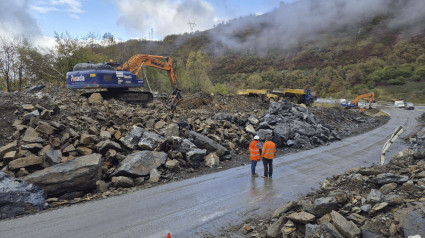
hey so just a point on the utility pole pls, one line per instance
(191, 25)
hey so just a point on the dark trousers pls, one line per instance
(268, 167)
(253, 164)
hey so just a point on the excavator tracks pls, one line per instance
(133, 97)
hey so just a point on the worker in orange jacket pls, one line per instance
(268, 152)
(255, 154)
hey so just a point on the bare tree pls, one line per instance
(7, 57)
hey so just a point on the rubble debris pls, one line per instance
(378, 201)
(57, 128)
(18, 197)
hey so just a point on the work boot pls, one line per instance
(262, 176)
(255, 175)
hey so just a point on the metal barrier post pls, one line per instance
(389, 142)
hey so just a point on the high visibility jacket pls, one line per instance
(269, 149)
(254, 150)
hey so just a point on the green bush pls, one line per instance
(221, 89)
(397, 81)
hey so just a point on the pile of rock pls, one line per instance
(292, 125)
(71, 146)
(379, 201)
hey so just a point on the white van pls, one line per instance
(399, 104)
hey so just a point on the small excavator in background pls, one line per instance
(118, 78)
(355, 102)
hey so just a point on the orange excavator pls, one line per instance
(118, 78)
(355, 102)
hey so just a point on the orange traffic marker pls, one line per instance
(168, 235)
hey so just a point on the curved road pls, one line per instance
(210, 203)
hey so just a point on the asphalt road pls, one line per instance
(210, 203)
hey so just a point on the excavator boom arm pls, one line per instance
(135, 63)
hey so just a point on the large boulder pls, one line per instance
(204, 142)
(324, 205)
(132, 139)
(78, 174)
(140, 163)
(18, 197)
(196, 157)
(391, 178)
(171, 129)
(150, 141)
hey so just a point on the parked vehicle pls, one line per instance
(409, 106)
(399, 104)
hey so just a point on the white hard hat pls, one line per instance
(256, 137)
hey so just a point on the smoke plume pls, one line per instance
(292, 24)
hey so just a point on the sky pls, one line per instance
(125, 19)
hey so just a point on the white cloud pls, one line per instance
(72, 7)
(165, 16)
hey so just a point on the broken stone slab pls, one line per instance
(253, 120)
(414, 223)
(95, 98)
(33, 147)
(303, 128)
(53, 157)
(182, 145)
(7, 148)
(45, 128)
(387, 188)
(140, 163)
(324, 205)
(331, 229)
(9, 156)
(274, 229)
(264, 133)
(150, 141)
(122, 182)
(345, 227)
(171, 129)
(31, 136)
(159, 125)
(212, 160)
(224, 117)
(78, 174)
(107, 145)
(283, 209)
(19, 197)
(302, 217)
(374, 196)
(196, 157)
(379, 207)
(30, 115)
(391, 178)
(154, 176)
(282, 133)
(105, 134)
(393, 199)
(204, 142)
(28, 107)
(25, 162)
(87, 139)
(172, 165)
(82, 150)
(356, 218)
(132, 139)
(250, 129)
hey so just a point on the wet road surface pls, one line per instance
(209, 203)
